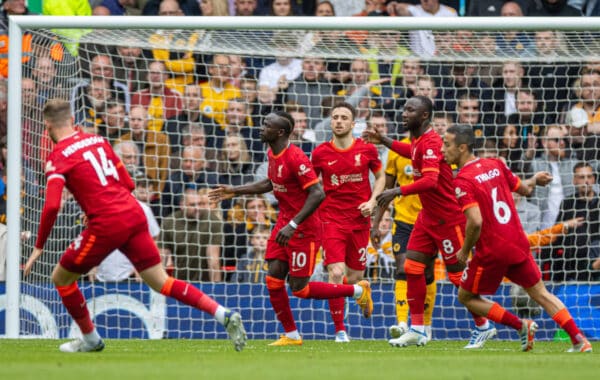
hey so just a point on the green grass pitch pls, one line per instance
(319, 360)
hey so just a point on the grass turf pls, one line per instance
(212, 359)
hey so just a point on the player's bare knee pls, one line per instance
(298, 283)
(336, 274)
(465, 297)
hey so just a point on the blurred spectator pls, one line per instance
(309, 89)
(153, 145)
(257, 107)
(130, 65)
(301, 135)
(188, 7)
(48, 85)
(505, 90)
(160, 101)
(588, 8)
(245, 7)
(252, 267)
(381, 263)
(422, 42)
(514, 43)
(371, 8)
(552, 8)
(129, 153)
(247, 214)
(550, 76)
(214, 7)
(238, 121)
(344, 8)
(192, 98)
(9, 8)
(426, 87)
(440, 122)
(235, 165)
(555, 160)
(287, 67)
(281, 8)
(580, 247)
(191, 239)
(91, 103)
(528, 121)
(511, 148)
(588, 94)
(576, 121)
(489, 8)
(218, 90)
(387, 45)
(113, 124)
(180, 64)
(380, 123)
(529, 214)
(192, 174)
(468, 111)
(115, 8)
(238, 69)
(31, 123)
(325, 9)
(462, 80)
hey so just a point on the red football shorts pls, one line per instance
(300, 254)
(88, 249)
(484, 276)
(431, 239)
(347, 246)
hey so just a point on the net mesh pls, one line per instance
(201, 96)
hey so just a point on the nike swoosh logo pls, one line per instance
(331, 162)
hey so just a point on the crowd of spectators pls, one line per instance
(183, 121)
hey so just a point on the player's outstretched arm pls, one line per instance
(472, 232)
(227, 192)
(538, 179)
(316, 195)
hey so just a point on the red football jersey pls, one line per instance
(88, 166)
(439, 204)
(291, 173)
(488, 183)
(345, 175)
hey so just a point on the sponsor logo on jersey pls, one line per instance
(429, 155)
(279, 188)
(351, 178)
(459, 192)
(303, 170)
(491, 174)
(334, 180)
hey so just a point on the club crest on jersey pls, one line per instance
(49, 167)
(408, 170)
(303, 170)
(429, 154)
(279, 170)
(334, 180)
(357, 159)
(459, 193)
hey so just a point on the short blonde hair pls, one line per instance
(57, 111)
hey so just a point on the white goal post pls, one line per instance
(13, 301)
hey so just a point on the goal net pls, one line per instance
(183, 108)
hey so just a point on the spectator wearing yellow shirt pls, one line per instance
(160, 101)
(218, 90)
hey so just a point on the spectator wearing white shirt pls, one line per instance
(269, 76)
(116, 266)
(422, 42)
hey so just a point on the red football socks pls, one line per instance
(565, 321)
(499, 314)
(416, 290)
(336, 308)
(189, 295)
(76, 306)
(281, 303)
